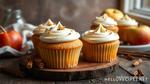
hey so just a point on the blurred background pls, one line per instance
(76, 14)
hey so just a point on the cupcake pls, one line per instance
(125, 24)
(38, 31)
(60, 47)
(107, 22)
(100, 45)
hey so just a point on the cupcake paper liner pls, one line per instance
(123, 31)
(60, 58)
(100, 52)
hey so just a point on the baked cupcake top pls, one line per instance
(59, 33)
(42, 27)
(105, 20)
(126, 20)
(99, 35)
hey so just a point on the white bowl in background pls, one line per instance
(140, 48)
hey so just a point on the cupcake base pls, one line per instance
(60, 55)
(100, 52)
(123, 32)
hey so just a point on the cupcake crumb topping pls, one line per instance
(60, 26)
(43, 27)
(49, 22)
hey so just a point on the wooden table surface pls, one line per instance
(9, 79)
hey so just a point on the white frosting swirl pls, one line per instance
(59, 34)
(105, 20)
(99, 35)
(126, 20)
(42, 27)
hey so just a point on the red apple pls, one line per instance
(11, 38)
(4, 37)
(16, 40)
(138, 36)
(114, 13)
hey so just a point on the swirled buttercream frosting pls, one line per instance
(42, 27)
(59, 33)
(99, 35)
(105, 20)
(126, 20)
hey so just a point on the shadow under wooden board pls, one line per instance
(84, 70)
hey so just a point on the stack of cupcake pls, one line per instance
(106, 21)
(119, 26)
(129, 30)
(59, 47)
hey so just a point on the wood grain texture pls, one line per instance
(127, 65)
(8, 79)
(84, 70)
(76, 14)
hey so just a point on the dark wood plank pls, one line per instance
(127, 65)
(6, 78)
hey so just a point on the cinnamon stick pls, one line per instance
(28, 62)
(140, 72)
(29, 65)
(135, 73)
(39, 63)
(137, 62)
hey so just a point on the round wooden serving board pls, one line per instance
(84, 70)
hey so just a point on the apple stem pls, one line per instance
(2, 28)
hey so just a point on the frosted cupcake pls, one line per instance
(107, 22)
(100, 45)
(60, 47)
(40, 30)
(125, 24)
